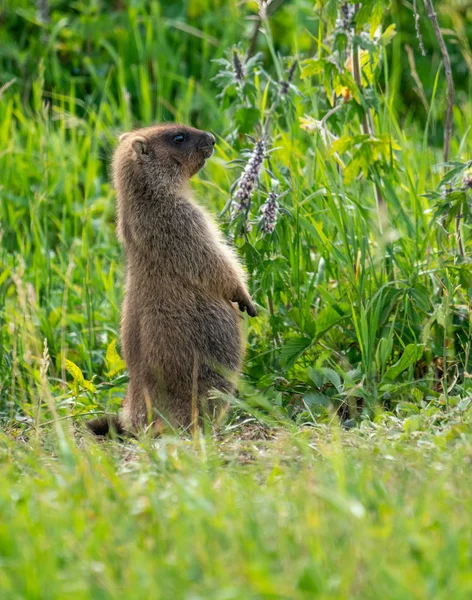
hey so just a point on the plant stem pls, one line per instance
(366, 128)
(43, 17)
(268, 11)
(417, 29)
(43, 11)
(356, 71)
(460, 245)
(414, 73)
(448, 71)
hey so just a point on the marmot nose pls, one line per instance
(211, 138)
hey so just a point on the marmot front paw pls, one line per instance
(248, 306)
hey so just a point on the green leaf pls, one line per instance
(292, 349)
(464, 403)
(246, 118)
(352, 170)
(88, 385)
(412, 424)
(113, 360)
(332, 377)
(312, 67)
(346, 142)
(75, 371)
(78, 377)
(370, 13)
(452, 174)
(410, 356)
(384, 349)
(421, 297)
(389, 34)
(326, 319)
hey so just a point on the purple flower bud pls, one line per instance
(249, 178)
(345, 20)
(447, 190)
(238, 68)
(468, 181)
(269, 212)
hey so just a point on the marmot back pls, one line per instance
(180, 332)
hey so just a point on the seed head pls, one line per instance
(344, 20)
(284, 87)
(418, 29)
(238, 68)
(263, 4)
(269, 212)
(249, 178)
(43, 11)
(285, 84)
(291, 72)
(468, 181)
(446, 191)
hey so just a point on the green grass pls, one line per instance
(380, 512)
(364, 293)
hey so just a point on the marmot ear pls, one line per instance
(139, 144)
(123, 136)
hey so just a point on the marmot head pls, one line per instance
(168, 153)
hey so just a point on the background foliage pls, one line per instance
(329, 173)
(364, 284)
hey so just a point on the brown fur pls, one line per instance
(180, 332)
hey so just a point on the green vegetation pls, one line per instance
(357, 239)
(380, 512)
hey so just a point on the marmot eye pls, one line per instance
(179, 138)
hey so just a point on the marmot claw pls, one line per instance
(248, 307)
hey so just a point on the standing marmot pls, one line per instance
(180, 332)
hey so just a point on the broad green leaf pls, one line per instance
(246, 117)
(412, 424)
(113, 359)
(332, 377)
(4, 276)
(383, 352)
(410, 356)
(75, 372)
(326, 319)
(389, 34)
(346, 142)
(78, 377)
(316, 399)
(112, 356)
(88, 385)
(313, 66)
(353, 169)
(292, 349)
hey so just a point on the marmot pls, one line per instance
(180, 332)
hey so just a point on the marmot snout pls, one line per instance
(180, 331)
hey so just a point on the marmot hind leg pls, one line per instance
(211, 381)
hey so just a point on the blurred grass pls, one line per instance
(381, 512)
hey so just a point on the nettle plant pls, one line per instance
(453, 205)
(348, 64)
(269, 108)
(351, 321)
